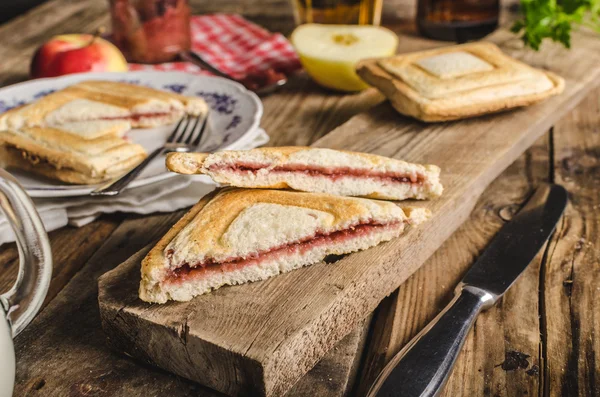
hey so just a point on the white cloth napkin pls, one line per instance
(165, 196)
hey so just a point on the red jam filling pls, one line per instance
(186, 271)
(329, 172)
(137, 117)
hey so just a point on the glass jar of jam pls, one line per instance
(151, 31)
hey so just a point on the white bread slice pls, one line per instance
(148, 99)
(82, 110)
(12, 157)
(95, 129)
(69, 156)
(104, 100)
(244, 235)
(370, 179)
(265, 270)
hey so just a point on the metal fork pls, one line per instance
(185, 137)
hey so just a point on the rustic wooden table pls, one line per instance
(548, 315)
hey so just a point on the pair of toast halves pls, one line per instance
(258, 227)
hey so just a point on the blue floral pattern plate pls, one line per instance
(234, 114)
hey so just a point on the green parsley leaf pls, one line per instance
(554, 19)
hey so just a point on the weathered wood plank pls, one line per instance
(144, 380)
(255, 331)
(303, 112)
(22, 35)
(71, 248)
(24, 43)
(571, 276)
(66, 339)
(302, 101)
(286, 117)
(512, 325)
(63, 352)
(565, 351)
(336, 373)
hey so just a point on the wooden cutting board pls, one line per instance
(260, 338)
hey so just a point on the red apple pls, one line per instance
(76, 53)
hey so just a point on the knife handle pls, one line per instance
(422, 367)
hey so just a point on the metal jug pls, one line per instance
(21, 303)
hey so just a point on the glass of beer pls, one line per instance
(338, 12)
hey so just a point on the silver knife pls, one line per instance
(423, 366)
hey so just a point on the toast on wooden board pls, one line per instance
(235, 236)
(457, 82)
(318, 170)
(78, 153)
(104, 100)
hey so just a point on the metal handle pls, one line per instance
(195, 58)
(116, 185)
(25, 298)
(422, 367)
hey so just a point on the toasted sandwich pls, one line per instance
(314, 170)
(78, 153)
(104, 100)
(234, 236)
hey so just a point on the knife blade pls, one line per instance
(423, 366)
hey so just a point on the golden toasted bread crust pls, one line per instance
(15, 158)
(69, 158)
(273, 159)
(215, 213)
(464, 96)
(207, 226)
(125, 99)
(226, 205)
(34, 150)
(155, 258)
(35, 142)
(61, 140)
(123, 94)
(189, 164)
(280, 154)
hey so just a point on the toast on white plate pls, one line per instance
(319, 170)
(76, 135)
(77, 153)
(141, 106)
(234, 236)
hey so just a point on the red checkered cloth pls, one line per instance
(235, 46)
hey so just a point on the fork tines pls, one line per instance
(189, 130)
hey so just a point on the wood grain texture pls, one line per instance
(336, 374)
(303, 112)
(71, 248)
(65, 337)
(85, 342)
(268, 334)
(573, 342)
(557, 329)
(512, 325)
(64, 351)
(286, 121)
(571, 279)
(22, 35)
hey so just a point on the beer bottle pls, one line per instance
(457, 20)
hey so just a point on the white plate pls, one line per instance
(235, 112)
